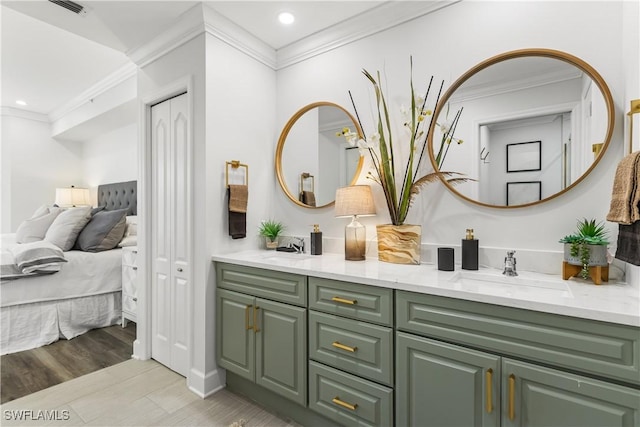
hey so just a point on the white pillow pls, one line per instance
(66, 227)
(130, 237)
(42, 210)
(34, 229)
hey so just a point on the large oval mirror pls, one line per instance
(313, 158)
(534, 123)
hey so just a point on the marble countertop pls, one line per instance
(613, 302)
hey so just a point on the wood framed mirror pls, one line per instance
(552, 109)
(312, 157)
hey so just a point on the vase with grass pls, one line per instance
(587, 247)
(271, 231)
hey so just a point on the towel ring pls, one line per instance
(303, 177)
(235, 164)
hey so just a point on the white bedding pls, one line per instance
(84, 294)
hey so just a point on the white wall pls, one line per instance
(446, 44)
(33, 165)
(232, 119)
(110, 157)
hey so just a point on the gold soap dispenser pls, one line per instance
(469, 251)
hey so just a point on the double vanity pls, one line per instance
(323, 340)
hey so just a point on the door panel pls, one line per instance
(235, 344)
(171, 233)
(439, 384)
(547, 397)
(281, 354)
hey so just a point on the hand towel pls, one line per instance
(625, 196)
(629, 243)
(238, 198)
(308, 198)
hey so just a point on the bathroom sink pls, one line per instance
(288, 256)
(478, 278)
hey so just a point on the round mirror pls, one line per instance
(313, 159)
(533, 124)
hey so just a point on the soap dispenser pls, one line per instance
(316, 240)
(469, 251)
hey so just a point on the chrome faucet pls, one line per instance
(510, 264)
(298, 245)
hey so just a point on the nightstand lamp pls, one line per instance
(72, 197)
(354, 201)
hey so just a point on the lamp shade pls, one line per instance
(72, 196)
(354, 200)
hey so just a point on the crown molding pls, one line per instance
(227, 31)
(187, 27)
(378, 19)
(112, 80)
(23, 114)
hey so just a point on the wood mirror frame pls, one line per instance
(522, 53)
(283, 138)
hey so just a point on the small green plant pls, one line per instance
(588, 233)
(271, 229)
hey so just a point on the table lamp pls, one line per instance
(354, 201)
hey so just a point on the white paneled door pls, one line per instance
(171, 237)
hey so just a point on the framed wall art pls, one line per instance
(523, 192)
(524, 156)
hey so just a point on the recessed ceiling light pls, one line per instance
(21, 103)
(286, 18)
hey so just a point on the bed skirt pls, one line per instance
(28, 326)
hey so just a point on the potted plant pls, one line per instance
(587, 247)
(271, 230)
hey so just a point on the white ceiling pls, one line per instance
(50, 55)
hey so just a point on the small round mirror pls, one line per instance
(313, 158)
(534, 123)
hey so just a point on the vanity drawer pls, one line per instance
(274, 285)
(353, 300)
(347, 399)
(360, 348)
(603, 349)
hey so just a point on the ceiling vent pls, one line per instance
(69, 5)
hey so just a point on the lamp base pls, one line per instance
(355, 241)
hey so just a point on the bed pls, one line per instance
(85, 293)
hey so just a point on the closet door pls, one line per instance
(171, 232)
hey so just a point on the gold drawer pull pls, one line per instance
(489, 390)
(255, 319)
(344, 301)
(512, 397)
(246, 317)
(344, 404)
(336, 344)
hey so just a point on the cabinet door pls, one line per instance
(537, 396)
(439, 384)
(235, 347)
(281, 356)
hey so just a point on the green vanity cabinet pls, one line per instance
(440, 384)
(538, 396)
(351, 374)
(454, 366)
(262, 340)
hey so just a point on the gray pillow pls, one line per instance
(66, 227)
(103, 232)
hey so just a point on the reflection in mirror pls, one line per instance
(313, 158)
(535, 122)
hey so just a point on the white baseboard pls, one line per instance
(206, 385)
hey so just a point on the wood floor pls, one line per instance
(29, 371)
(134, 393)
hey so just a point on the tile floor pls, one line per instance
(133, 393)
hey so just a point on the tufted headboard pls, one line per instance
(119, 195)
